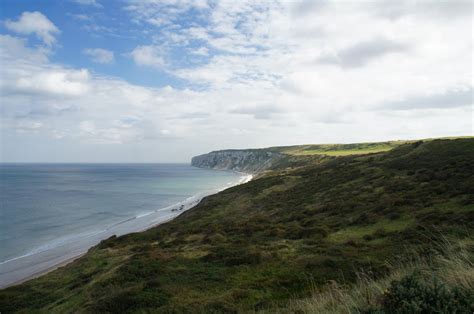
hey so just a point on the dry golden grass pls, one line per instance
(453, 265)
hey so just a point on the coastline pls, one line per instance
(48, 270)
(36, 269)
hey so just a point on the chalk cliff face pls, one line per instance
(250, 161)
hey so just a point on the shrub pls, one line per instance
(394, 216)
(125, 301)
(108, 243)
(368, 237)
(230, 256)
(414, 295)
(380, 233)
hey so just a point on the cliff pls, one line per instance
(250, 160)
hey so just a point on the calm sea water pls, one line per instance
(43, 206)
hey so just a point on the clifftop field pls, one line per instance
(379, 228)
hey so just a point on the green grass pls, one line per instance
(341, 149)
(351, 149)
(375, 230)
(342, 152)
(309, 221)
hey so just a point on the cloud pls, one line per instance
(363, 52)
(449, 99)
(59, 82)
(80, 105)
(28, 79)
(201, 51)
(277, 54)
(260, 81)
(27, 73)
(13, 49)
(34, 23)
(193, 115)
(305, 7)
(148, 56)
(93, 3)
(28, 125)
(262, 111)
(81, 17)
(118, 134)
(159, 13)
(402, 8)
(100, 55)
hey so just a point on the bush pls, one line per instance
(230, 256)
(394, 216)
(414, 295)
(125, 301)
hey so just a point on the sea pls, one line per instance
(51, 213)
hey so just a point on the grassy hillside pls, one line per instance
(311, 221)
(442, 282)
(348, 149)
(341, 149)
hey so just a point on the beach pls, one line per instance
(60, 252)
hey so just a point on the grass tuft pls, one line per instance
(450, 267)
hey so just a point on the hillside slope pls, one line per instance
(257, 245)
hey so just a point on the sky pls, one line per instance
(164, 80)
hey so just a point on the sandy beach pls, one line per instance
(29, 266)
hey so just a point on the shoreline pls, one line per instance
(65, 259)
(75, 257)
(48, 270)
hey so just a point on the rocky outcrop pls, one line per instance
(249, 161)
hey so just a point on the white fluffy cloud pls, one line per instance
(54, 81)
(257, 74)
(117, 134)
(148, 56)
(316, 49)
(100, 55)
(28, 72)
(318, 71)
(34, 23)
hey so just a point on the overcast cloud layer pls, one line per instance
(240, 74)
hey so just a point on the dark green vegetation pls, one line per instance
(439, 282)
(309, 221)
(413, 295)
